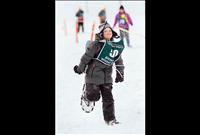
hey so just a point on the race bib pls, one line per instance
(110, 52)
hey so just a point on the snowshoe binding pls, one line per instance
(86, 105)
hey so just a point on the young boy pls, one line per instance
(98, 76)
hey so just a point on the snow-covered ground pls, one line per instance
(129, 96)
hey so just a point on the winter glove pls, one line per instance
(76, 70)
(119, 77)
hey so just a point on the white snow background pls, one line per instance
(129, 95)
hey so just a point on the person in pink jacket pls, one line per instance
(123, 19)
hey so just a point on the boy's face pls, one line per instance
(107, 33)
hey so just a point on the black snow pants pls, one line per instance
(80, 24)
(93, 93)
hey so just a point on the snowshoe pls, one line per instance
(86, 105)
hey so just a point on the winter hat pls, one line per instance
(102, 13)
(103, 26)
(121, 7)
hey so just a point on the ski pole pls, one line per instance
(93, 25)
(129, 32)
(122, 29)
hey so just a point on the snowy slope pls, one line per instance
(129, 96)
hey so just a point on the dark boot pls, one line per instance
(112, 122)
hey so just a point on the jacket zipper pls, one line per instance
(93, 66)
(104, 75)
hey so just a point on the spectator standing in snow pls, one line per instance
(123, 19)
(102, 21)
(102, 17)
(80, 20)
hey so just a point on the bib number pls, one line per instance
(114, 53)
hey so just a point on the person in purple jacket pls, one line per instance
(123, 19)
